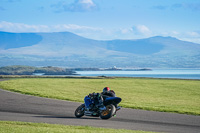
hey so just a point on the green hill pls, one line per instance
(28, 70)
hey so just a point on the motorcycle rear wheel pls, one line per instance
(109, 112)
(79, 112)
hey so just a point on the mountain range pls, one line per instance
(70, 50)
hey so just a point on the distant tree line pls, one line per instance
(29, 70)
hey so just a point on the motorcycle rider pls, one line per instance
(107, 93)
(99, 98)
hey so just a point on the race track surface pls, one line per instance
(19, 107)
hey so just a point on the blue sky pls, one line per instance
(104, 19)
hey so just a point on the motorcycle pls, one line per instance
(98, 106)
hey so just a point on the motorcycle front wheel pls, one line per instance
(79, 112)
(109, 112)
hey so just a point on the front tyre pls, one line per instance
(79, 112)
(109, 112)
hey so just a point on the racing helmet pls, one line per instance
(106, 89)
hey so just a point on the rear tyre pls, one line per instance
(109, 112)
(79, 112)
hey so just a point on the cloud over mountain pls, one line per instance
(20, 27)
(98, 33)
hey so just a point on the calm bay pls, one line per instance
(155, 73)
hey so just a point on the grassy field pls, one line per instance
(168, 95)
(27, 127)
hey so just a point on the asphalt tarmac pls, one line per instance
(19, 107)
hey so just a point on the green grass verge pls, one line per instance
(27, 127)
(166, 95)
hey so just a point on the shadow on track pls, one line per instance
(68, 117)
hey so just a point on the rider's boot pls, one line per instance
(100, 105)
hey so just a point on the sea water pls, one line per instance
(154, 73)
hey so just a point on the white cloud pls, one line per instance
(82, 5)
(12, 0)
(77, 6)
(73, 27)
(185, 6)
(142, 30)
(190, 6)
(193, 34)
(88, 2)
(136, 32)
(126, 30)
(175, 33)
(20, 27)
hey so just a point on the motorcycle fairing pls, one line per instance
(112, 100)
(88, 101)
